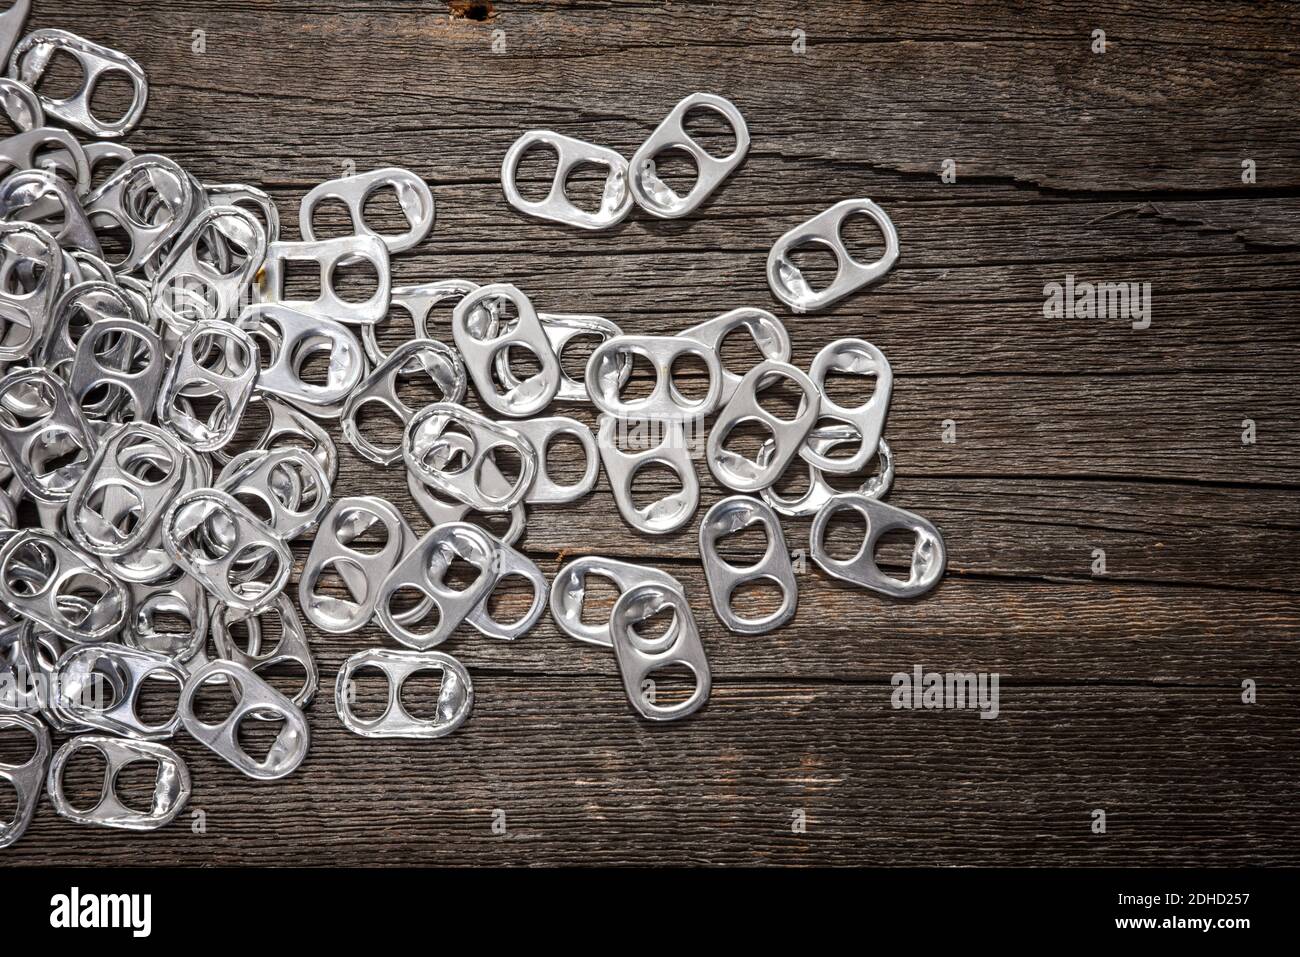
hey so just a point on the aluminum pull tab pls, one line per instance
(788, 282)
(727, 517)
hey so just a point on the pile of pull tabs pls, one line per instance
(126, 379)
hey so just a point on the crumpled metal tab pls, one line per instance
(31, 57)
(83, 672)
(455, 694)
(171, 789)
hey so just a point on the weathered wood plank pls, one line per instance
(581, 781)
(1120, 692)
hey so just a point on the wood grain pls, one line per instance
(1120, 691)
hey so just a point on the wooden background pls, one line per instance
(1119, 692)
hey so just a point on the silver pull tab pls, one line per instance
(615, 201)
(97, 685)
(413, 197)
(254, 699)
(445, 445)
(736, 471)
(328, 255)
(483, 348)
(788, 283)
(823, 440)
(423, 572)
(928, 554)
(727, 517)
(47, 580)
(26, 304)
(293, 337)
(171, 788)
(769, 335)
(362, 572)
(439, 362)
(208, 270)
(861, 358)
(569, 591)
(455, 695)
(657, 442)
(541, 432)
(26, 778)
(31, 58)
(606, 376)
(187, 531)
(261, 654)
(654, 195)
(639, 657)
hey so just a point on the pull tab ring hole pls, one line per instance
(711, 131)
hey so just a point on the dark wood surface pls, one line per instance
(1119, 691)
